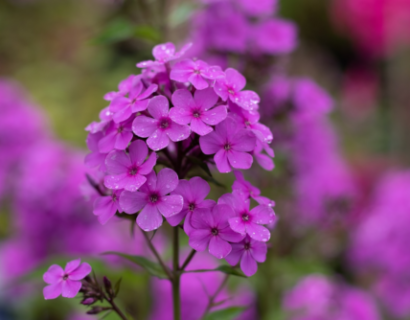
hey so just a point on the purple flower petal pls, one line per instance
(70, 288)
(107, 143)
(167, 181)
(150, 90)
(248, 264)
(158, 140)
(53, 291)
(170, 205)
(198, 81)
(215, 115)
(72, 265)
(236, 254)
(206, 99)
(132, 202)
(148, 165)
(117, 162)
(259, 250)
(182, 98)
(122, 114)
(202, 219)
(257, 232)
(143, 126)
(262, 214)
(199, 239)
(244, 141)
(180, 115)
(235, 79)
(149, 218)
(178, 132)
(239, 160)
(221, 160)
(248, 100)
(138, 151)
(54, 274)
(199, 187)
(228, 234)
(211, 143)
(119, 103)
(237, 225)
(163, 51)
(175, 219)
(122, 140)
(104, 208)
(182, 70)
(81, 272)
(219, 248)
(158, 107)
(199, 127)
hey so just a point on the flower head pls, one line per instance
(197, 111)
(196, 72)
(65, 282)
(231, 86)
(164, 53)
(248, 252)
(230, 144)
(153, 200)
(161, 128)
(128, 171)
(248, 221)
(194, 192)
(211, 229)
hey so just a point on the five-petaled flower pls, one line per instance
(197, 111)
(159, 129)
(154, 200)
(128, 171)
(65, 282)
(230, 144)
(211, 229)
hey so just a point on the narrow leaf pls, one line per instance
(151, 267)
(225, 269)
(117, 287)
(225, 314)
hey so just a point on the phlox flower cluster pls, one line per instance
(317, 297)
(321, 179)
(176, 110)
(379, 244)
(243, 26)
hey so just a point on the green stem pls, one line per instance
(215, 295)
(176, 278)
(188, 260)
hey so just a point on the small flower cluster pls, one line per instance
(177, 115)
(317, 297)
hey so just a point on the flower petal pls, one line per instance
(235, 79)
(81, 272)
(206, 99)
(158, 107)
(182, 99)
(54, 274)
(248, 264)
(148, 165)
(228, 234)
(167, 181)
(117, 162)
(53, 291)
(122, 140)
(178, 132)
(243, 140)
(170, 205)
(259, 250)
(70, 288)
(221, 161)
(104, 208)
(138, 151)
(132, 202)
(158, 140)
(199, 127)
(215, 115)
(237, 225)
(72, 265)
(240, 160)
(143, 126)
(262, 214)
(199, 239)
(219, 248)
(200, 188)
(149, 218)
(257, 232)
(236, 254)
(211, 143)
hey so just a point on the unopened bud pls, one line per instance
(88, 301)
(97, 310)
(108, 287)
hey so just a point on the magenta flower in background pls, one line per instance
(211, 229)
(317, 297)
(164, 53)
(153, 200)
(196, 110)
(310, 99)
(248, 252)
(128, 171)
(105, 207)
(194, 192)
(231, 86)
(159, 129)
(246, 221)
(95, 159)
(275, 36)
(230, 144)
(276, 93)
(196, 72)
(65, 282)
(117, 136)
(258, 8)
(136, 101)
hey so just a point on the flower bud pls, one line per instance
(88, 301)
(97, 310)
(108, 287)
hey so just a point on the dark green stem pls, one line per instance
(188, 259)
(176, 296)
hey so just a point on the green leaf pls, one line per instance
(225, 314)
(147, 33)
(214, 181)
(117, 287)
(224, 268)
(151, 267)
(117, 30)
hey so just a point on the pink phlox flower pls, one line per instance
(105, 207)
(230, 144)
(128, 171)
(136, 101)
(258, 8)
(211, 229)
(231, 86)
(275, 36)
(194, 192)
(159, 129)
(105, 117)
(311, 99)
(95, 159)
(124, 87)
(164, 53)
(248, 221)
(248, 252)
(250, 120)
(153, 200)
(117, 136)
(265, 161)
(197, 111)
(196, 72)
(65, 282)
